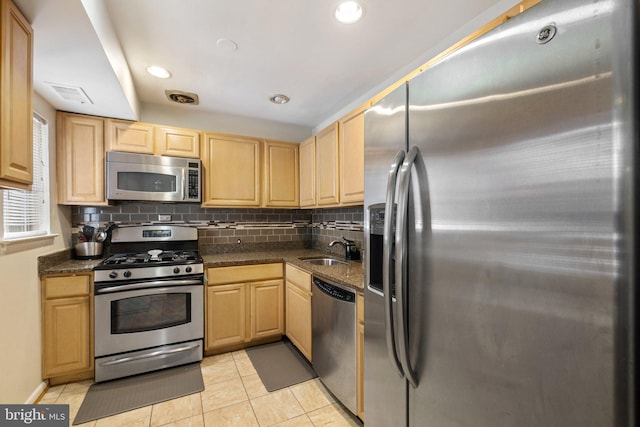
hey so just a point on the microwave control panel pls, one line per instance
(194, 184)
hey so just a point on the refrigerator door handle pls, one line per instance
(404, 179)
(389, 326)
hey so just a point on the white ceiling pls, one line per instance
(294, 47)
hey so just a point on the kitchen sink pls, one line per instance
(326, 261)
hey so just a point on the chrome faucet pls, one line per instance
(350, 249)
(336, 241)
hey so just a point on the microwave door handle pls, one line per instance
(185, 182)
(387, 238)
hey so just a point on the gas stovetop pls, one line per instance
(150, 258)
(151, 253)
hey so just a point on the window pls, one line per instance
(26, 213)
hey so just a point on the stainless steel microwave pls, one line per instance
(153, 178)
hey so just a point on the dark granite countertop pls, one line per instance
(351, 274)
(71, 266)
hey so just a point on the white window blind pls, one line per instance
(26, 213)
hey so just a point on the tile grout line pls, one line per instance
(200, 396)
(247, 393)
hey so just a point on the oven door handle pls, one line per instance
(153, 284)
(159, 353)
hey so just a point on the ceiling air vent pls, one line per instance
(182, 97)
(70, 93)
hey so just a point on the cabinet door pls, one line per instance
(231, 171)
(80, 160)
(267, 318)
(66, 329)
(132, 137)
(177, 142)
(281, 185)
(16, 111)
(352, 158)
(327, 191)
(298, 311)
(226, 315)
(308, 172)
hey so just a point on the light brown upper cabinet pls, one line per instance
(145, 138)
(327, 167)
(308, 172)
(332, 164)
(16, 110)
(352, 157)
(281, 184)
(80, 152)
(132, 137)
(231, 171)
(177, 142)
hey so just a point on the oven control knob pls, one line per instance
(176, 270)
(188, 269)
(127, 273)
(113, 275)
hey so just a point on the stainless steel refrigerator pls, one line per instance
(500, 228)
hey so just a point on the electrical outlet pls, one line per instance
(164, 217)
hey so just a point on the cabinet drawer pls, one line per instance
(298, 277)
(244, 273)
(66, 286)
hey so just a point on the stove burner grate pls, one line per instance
(145, 258)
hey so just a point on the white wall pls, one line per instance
(189, 116)
(20, 354)
(446, 41)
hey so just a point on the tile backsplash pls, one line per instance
(139, 212)
(332, 224)
(232, 230)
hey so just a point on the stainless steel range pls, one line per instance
(149, 309)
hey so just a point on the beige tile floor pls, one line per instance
(233, 396)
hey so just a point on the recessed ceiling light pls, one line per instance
(349, 12)
(158, 72)
(227, 44)
(279, 99)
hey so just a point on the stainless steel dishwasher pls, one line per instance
(334, 339)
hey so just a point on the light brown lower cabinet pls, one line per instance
(298, 309)
(267, 309)
(360, 354)
(244, 304)
(67, 326)
(226, 315)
